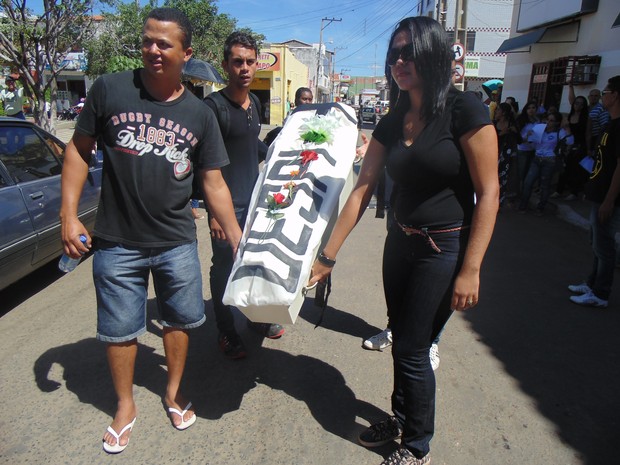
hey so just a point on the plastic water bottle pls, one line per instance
(68, 264)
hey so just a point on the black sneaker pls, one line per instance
(404, 456)
(268, 330)
(381, 433)
(232, 346)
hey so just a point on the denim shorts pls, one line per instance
(121, 276)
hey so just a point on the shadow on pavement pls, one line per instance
(28, 286)
(565, 357)
(215, 384)
(338, 320)
(319, 385)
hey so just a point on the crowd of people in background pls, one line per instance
(541, 148)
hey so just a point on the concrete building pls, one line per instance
(555, 42)
(280, 73)
(487, 24)
(319, 69)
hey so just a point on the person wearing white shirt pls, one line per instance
(545, 160)
(13, 99)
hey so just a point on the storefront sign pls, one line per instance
(539, 78)
(472, 66)
(268, 61)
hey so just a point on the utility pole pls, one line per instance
(460, 31)
(318, 61)
(333, 67)
(441, 13)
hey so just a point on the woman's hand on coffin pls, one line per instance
(216, 230)
(360, 152)
(319, 273)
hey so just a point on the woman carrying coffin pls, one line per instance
(440, 149)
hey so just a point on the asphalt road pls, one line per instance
(526, 377)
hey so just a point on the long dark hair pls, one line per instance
(432, 57)
(523, 119)
(583, 114)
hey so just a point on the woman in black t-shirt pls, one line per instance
(440, 148)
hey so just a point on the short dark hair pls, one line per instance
(432, 57)
(174, 15)
(613, 83)
(239, 38)
(300, 91)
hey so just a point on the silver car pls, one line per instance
(30, 167)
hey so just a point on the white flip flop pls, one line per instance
(116, 448)
(184, 423)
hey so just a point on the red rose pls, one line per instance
(307, 156)
(279, 198)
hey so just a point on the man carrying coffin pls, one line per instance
(238, 113)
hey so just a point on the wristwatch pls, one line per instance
(325, 260)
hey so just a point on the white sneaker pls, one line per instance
(589, 299)
(379, 341)
(582, 288)
(434, 356)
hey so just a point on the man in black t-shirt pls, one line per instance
(603, 190)
(238, 114)
(155, 137)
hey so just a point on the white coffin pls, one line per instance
(275, 256)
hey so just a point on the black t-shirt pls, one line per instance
(242, 147)
(150, 151)
(433, 185)
(607, 158)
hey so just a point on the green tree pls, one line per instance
(34, 45)
(118, 46)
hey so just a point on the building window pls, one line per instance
(470, 42)
(576, 70)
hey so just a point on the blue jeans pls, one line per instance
(221, 266)
(604, 247)
(121, 276)
(541, 168)
(524, 160)
(418, 284)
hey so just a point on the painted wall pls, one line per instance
(595, 37)
(281, 74)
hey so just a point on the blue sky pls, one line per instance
(359, 40)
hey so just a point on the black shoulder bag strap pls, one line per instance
(221, 112)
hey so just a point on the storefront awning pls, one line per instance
(524, 40)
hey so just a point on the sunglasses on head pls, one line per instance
(405, 53)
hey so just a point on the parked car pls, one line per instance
(369, 114)
(30, 166)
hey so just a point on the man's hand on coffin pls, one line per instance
(360, 152)
(216, 230)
